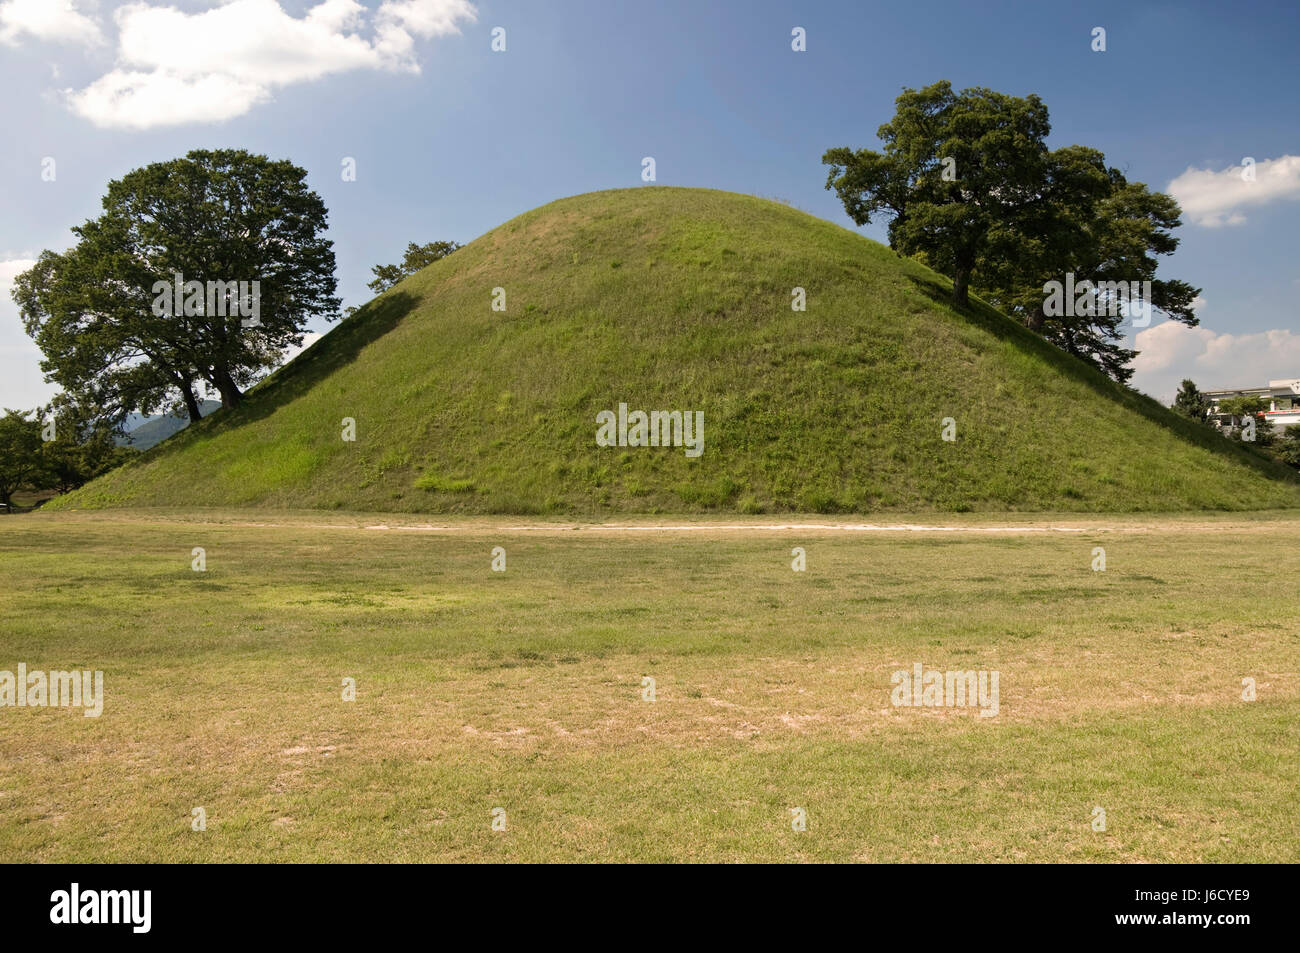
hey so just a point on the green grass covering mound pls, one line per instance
(680, 299)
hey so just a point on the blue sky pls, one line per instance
(451, 138)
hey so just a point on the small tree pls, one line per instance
(1239, 408)
(83, 446)
(1191, 403)
(21, 460)
(416, 257)
(1243, 406)
(1265, 432)
(1287, 447)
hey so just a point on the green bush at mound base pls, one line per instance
(680, 299)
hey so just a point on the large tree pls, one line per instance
(215, 217)
(1093, 224)
(956, 168)
(969, 186)
(101, 339)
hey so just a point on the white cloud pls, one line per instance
(51, 21)
(139, 100)
(175, 67)
(1213, 199)
(11, 269)
(397, 21)
(1171, 351)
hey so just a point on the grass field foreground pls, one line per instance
(1120, 689)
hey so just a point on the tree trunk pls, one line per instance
(191, 405)
(961, 286)
(231, 396)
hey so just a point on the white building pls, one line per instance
(1282, 397)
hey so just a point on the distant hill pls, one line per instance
(145, 432)
(680, 299)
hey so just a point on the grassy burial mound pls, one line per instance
(680, 301)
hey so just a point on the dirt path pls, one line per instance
(962, 524)
(620, 529)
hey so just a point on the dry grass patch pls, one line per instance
(477, 689)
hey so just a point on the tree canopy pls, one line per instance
(20, 452)
(82, 447)
(1190, 402)
(57, 447)
(1243, 406)
(968, 185)
(1288, 446)
(416, 257)
(957, 168)
(154, 299)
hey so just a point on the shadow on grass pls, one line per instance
(1008, 329)
(336, 349)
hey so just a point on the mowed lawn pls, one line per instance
(522, 690)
